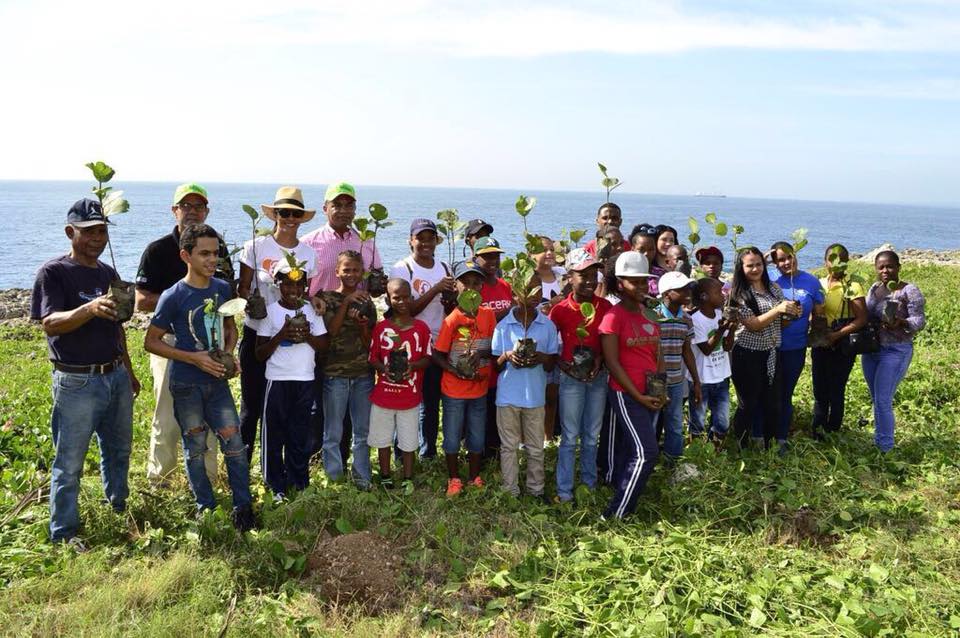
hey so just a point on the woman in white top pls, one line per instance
(258, 257)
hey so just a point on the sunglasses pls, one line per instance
(289, 212)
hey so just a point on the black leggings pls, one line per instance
(253, 385)
(755, 392)
(831, 370)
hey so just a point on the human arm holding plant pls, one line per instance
(66, 321)
(154, 344)
(754, 323)
(343, 311)
(266, 346)
(611, 355)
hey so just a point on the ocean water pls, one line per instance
(34, 212)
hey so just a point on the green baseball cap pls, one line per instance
(190, 189)
(486, 245)
(340, 188)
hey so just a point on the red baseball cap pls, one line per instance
(703, 253)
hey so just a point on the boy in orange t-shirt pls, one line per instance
(465, 338)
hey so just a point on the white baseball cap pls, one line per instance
(673, 280)
(632, 264)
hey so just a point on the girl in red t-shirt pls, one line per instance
(630, 340)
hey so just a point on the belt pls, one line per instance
(96, 368)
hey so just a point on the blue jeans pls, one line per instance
(197, 407)
(83, 405)
(883, 372)
(464, 413)
(341, 394)
(715, 396)
(581, 413)
(672, 415)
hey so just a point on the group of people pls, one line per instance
(610, 345)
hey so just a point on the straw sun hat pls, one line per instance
(288, 197)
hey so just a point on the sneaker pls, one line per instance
(783, 448)
(243, 519)
(477, 482)
(76, 544)
(454, 486)
(386, 483)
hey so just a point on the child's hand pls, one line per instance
(359, 297)
(357, 316)
(319, 305)
(653, 403)
(516, 360)
(203, 361)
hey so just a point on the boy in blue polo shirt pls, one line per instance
(522, 386)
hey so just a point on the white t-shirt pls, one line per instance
(290, 361)
(270, 252)
(421, 280)
(549, 290)
(715, 367)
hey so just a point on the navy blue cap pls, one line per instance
(86, 212)
(461, 268)
(421, 224)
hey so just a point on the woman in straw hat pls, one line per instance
(257, 259)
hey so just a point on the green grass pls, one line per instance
(831, 540)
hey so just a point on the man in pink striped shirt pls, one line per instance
(337, 235)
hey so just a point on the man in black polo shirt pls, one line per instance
(93, 383)
(160, 268)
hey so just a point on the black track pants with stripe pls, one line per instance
(637, 452)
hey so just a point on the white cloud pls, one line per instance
(935, 89)
(499, 29)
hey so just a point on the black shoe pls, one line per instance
(243, 519)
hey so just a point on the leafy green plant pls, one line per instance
(452, 228)
(609, 183)
(112, 203)
(569, 241)
(469, 301)
(520, 269)
(367, 229)
(720, 229)
(583, 357)
(256, 304)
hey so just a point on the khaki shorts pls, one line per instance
(385, 423)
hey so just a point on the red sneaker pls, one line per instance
(454, 486)
(477, 482)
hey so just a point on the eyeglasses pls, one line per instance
(192, 207)
(290, 212)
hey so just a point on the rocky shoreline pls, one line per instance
(15, 302)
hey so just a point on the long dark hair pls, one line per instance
(740, 289)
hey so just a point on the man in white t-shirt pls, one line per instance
(712, 342)
(288, 339)
(429, 278)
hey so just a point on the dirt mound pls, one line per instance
(361, 568)
(800, 528)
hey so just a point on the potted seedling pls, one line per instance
(584, 358)
(376, 278)
(451, 229)
(520, 269)
(214, 312)
(466, 365)
(121, 292)
(891, 305)
(730, 311)
(256, 304)
(398, 360)
(694, 238)
(608, 182)
(296, 273)
(656, 381)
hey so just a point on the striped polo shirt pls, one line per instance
(327, 243)
(674, 330)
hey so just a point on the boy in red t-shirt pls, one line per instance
(398, 393)
(582, 396)
(631, 350)
(464, 335)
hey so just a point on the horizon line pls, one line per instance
(949, 205)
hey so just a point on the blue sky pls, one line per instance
(816, 100)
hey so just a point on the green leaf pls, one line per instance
(710, 218)
(344, 526)
(720, 229)
(610, 182)
(506, 264)
(469, 301)
(694, 238)
(845, 516)
(799, 245)
(233, 307)
(693, 224)
(877, 573)
(378, 211)
(101, 171)
(114, 204)
(737, 229)
(361, 223)
(587, 310)
(251, 211)
(577, 235)
(525, 204)
(757, 618)
(835, 582)
(603, 169)
(582, 332)
(500, 580)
